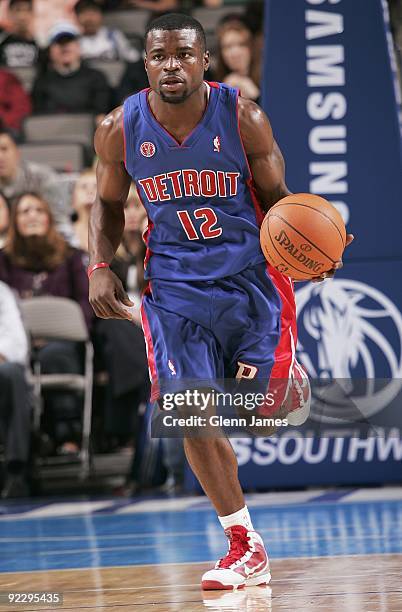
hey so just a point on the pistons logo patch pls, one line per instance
(148, 149)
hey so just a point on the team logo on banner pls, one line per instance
(148, 149)
(351, 333)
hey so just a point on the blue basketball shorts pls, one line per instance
(237, 326)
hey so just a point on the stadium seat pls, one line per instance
(129, 22)
(209, 18)
(77, 128)
(55, 318)
(113, 70)
(63, 157)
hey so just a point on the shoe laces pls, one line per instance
(238, 546)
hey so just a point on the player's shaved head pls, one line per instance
(177, 21)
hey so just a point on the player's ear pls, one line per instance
(145, 61)
(206, 60)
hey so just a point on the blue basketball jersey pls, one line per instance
(203, 214)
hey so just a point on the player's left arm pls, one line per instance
(266, 161)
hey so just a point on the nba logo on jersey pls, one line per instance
(148, 149)
(217, 144)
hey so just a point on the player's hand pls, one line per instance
(337, 265)
(107, 295)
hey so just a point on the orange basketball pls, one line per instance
(302, 236)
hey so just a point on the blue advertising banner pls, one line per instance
(329, 91)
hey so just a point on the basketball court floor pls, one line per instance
(330, 550)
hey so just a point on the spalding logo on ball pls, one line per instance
(303, 236)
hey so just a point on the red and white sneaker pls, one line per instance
(246, 563)
(299, 396)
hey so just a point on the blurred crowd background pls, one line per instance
(63, 66)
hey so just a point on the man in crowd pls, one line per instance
(17, 177)
(97, 40)
(17, 46)
(14, 398)
(67, 85)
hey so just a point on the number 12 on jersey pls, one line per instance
(207, 228)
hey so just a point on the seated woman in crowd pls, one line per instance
(36, 260)
(235, 64)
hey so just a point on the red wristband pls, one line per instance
(101, 264)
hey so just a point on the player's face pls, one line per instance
(175, 63)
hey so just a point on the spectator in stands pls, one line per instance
(235, 64)
(4, 218)
(18, 47)
(83, 197)
(97, 40)
(15, 103)
(17, 177)
(66, 85)
(38, 261)
(14, 398)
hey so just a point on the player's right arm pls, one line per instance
(106, 225)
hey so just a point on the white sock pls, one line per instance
(241, 517)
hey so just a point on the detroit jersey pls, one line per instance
(203, 217)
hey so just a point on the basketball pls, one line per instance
(302, 236)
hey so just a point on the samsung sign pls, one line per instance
(327, 105)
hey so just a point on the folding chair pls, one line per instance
(129, 22)
(77, 128)
(113, 70)
(63, 157)
(55, 318)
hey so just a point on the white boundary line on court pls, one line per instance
(166, 534)
(152, 565)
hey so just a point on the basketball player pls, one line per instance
(207, 169)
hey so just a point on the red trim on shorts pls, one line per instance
(153, 373)
(285, 351)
